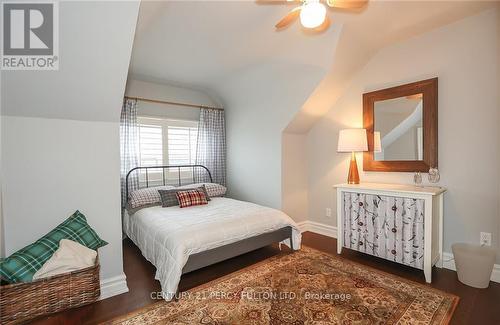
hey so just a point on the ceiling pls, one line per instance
(200, 44)
(206, 44)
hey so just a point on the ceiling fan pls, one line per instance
(312, 13)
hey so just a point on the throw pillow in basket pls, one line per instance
(23, 264)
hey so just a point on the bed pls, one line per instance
(178, 241)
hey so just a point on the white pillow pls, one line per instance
(213, 189)
(70, 256)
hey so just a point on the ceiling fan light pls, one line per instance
(312, 14)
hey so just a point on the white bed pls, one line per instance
(168, 236)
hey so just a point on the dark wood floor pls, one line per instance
(477, 306)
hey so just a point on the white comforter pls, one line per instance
(167, 236)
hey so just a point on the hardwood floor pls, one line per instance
(477, 306)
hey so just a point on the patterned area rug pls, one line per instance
(306, 287)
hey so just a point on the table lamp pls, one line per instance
(352, 140)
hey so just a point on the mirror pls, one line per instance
(398, 128)
(401, 125)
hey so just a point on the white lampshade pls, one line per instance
(377, 145)
(312, 14)
(352, 140)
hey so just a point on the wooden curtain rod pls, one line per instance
(172, 103)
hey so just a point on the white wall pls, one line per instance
(95, 43)
(55, 167)
(465, 56)
(165, 92)
(60, 132)
(2, 231)
(259, 103)
(294, 196)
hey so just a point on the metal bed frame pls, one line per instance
(165, 179)
(216, 255)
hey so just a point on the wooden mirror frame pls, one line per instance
(429, 89)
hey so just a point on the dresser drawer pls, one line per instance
(389, 227)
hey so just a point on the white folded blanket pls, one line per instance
(70, 256)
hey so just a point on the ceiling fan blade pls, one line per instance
(289, 18)
(347, 4)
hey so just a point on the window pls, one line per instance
(150, 144)
(182, 144)
(167, 142)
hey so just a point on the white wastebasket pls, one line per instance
(474, 264)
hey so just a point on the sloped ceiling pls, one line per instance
(205, 44)
(95, 43)
(380, 24)
(202, 44)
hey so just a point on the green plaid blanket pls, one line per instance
(23, 264)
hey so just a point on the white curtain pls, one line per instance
(211, 147)
(129, 146)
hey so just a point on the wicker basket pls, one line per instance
(20, 302)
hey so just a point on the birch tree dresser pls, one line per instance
(400, 223)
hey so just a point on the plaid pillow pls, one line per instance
(146, 196)
(191, 197)
(169, 197)
(196, 186)
(214, 189)
(23, 264)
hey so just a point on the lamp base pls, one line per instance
(353, 177)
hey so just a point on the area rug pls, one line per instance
(305, 287)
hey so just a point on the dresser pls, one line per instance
(400, 223)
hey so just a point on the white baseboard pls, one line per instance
(449, 263)
(113, 286)
(331, 231)
(318, 228)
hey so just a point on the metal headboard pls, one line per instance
(163, 169)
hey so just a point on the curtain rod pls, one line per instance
(172, 103)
